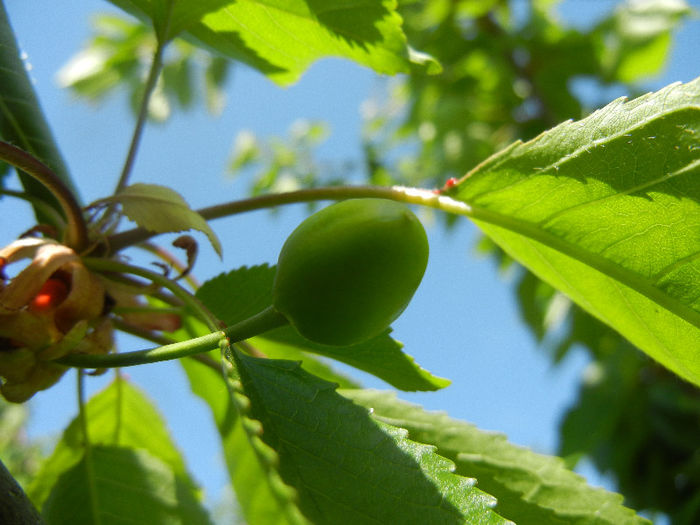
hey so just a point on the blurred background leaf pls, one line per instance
(21, 455)
(117, 58)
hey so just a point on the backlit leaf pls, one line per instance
(160, 209)
(262, 496)
(119, 416)
(607, 210)
(282, 38)
(127, 486)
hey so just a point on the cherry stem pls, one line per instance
(262, 322)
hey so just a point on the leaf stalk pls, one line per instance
(262, 322)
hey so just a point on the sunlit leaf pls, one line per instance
(281, 39)
(607, 210)
(381, 356)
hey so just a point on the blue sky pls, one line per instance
(462, 324)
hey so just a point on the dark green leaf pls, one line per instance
(346, 467)
(313, 365)
(238, 294)
(262, 496)
(381, 356)
(531, 489)
(23, 123)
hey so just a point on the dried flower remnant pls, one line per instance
(52, 307)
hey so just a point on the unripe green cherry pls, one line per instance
(348, 271)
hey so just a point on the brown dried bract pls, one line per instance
(36, 327)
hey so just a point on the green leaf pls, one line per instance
(607, 210)
(237, 295)
(640, 424)
(635, 41)
(282, 38)
(171, 17)
(23, 123)
(312, 365)
(127, 485)
(120, 415)
(161, 209)
(381, 356)
(262, 496)
(346, 467)
(530, 488)
(112, 61)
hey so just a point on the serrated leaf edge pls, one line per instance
(269, 460)
(502, 466)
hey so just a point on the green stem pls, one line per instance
(128, 238)
(142, 116)
(262, 322)
(445, 203)
(162, 340)
(90, 473)
(151, 81)
(77, 236)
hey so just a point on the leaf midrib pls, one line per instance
(607, 267)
